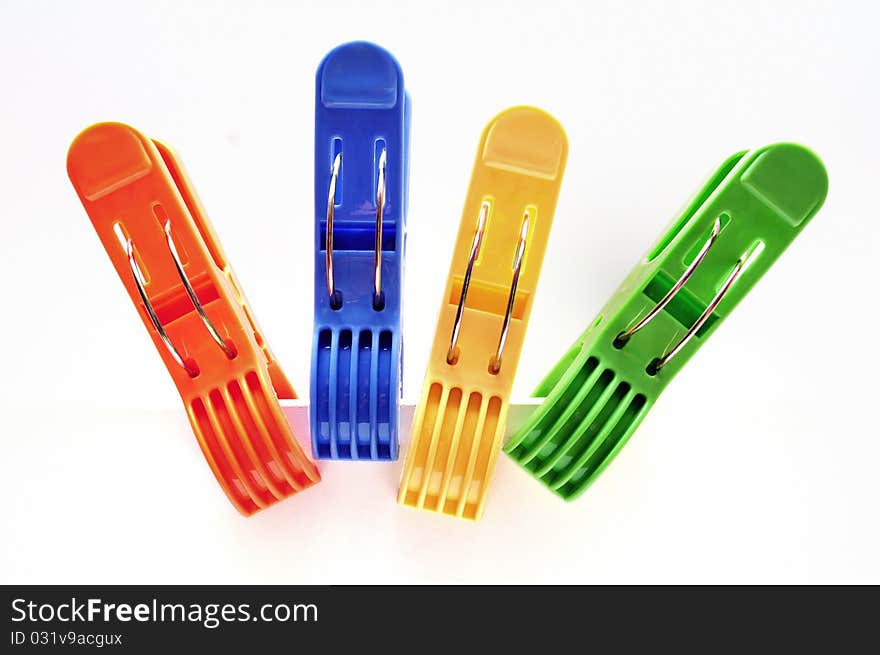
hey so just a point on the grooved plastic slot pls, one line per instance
(684, 306)
(491, 299)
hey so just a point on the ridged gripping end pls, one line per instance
(588, 414)
(354, 395)
(249, 445)
(455, 439)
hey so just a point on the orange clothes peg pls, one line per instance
(159, 239)
(460, 420)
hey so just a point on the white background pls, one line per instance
(758, 464)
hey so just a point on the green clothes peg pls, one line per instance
(733, 230)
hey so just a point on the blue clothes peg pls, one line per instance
(362, 116)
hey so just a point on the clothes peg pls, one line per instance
(460, 420)
(158, 237)
(733, 230)
(362, 115)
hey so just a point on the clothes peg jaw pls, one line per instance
(167, 255)
(727, 237)
(362, 116)
(460, 420)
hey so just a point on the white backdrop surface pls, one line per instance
(758, 464)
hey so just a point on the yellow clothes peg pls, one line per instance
(459, 423)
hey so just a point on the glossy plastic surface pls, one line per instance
(361, 108)
(131, 187)
(599, 392)
(459, 423)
